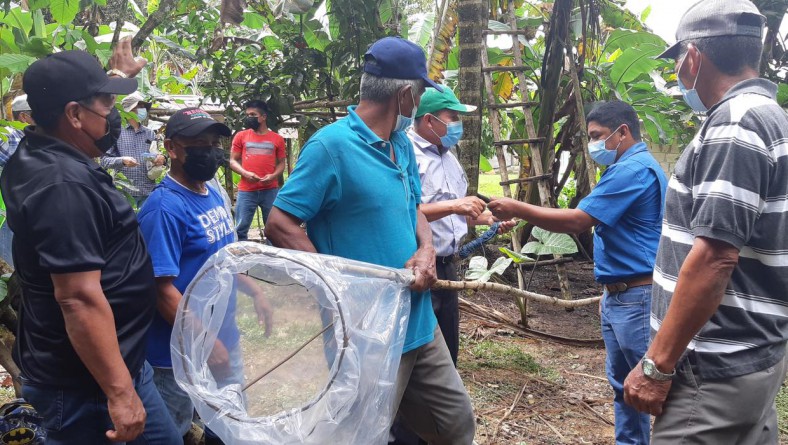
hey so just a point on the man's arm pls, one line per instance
(554, 220)
(700, 288)
(235, 165)
(423, 261)
(90, 326)
(284, 230)
(167, 298)
(469, 206)
(278, 170)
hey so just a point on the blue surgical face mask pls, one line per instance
(599, 152)
(453, 133)
(404, 122)
(142, 114)
(691, 96)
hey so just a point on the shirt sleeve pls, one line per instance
(730, 183)
(312, 186)
(164, 234)
(238, 142)
(68, 224)
(112, 158)
(617, 190)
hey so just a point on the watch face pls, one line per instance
(648, 368)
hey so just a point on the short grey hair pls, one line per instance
(381, 89)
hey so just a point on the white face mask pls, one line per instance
(404, 122)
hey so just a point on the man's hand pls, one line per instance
(123, 60)
(264, 312)
(251, 177)
(268, 178)
(128, 161)
(219, 360)
(422, 263)
(645, 394)
(504, 208)
(470, 206)
(506, 226)
(159, 160)
(128, 416)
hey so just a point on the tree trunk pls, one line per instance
(471, 15)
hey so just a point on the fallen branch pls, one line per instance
(508, 290)
(599, 416)
(563, 439)
(500, 320)
(508, 412)
(587, 375)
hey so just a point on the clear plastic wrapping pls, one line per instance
(326, 370)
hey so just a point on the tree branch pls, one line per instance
(508, 290)
(166, 8)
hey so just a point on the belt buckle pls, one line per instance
(616, 287)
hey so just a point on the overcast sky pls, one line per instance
(665, 15)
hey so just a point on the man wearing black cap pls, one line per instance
(719, 314)
(356, 185)
(184, 222)
(87, 280)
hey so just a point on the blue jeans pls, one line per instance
(625, 329)
(178, 402)
(72, 416)
(246, 205)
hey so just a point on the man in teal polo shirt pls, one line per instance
(356, 185)
(625, 210)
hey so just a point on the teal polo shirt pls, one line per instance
(628, 202)
(360, 205)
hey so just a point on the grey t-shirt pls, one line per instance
(731, 184)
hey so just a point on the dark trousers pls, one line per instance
(447, 311)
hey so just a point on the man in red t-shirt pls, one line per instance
(258, 155)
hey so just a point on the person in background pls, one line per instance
(184, 222)
(258, 155)
(133, 148)
(435, 132)
(88, 293)
(719, 315)
(357, 188)
(626, 210)
(20, 111)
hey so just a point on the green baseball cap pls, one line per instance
(433, 100)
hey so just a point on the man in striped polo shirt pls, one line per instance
(719, 313)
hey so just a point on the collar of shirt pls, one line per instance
(755, 85)
(40, 140)
(639, 147)
(424, 144)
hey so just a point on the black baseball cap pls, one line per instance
(397, 58)
(67, 76)
(191, 122)
(714, 18)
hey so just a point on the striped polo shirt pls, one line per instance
(731, 184)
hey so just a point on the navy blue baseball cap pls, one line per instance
(397, 58)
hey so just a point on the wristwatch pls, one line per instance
(117, 72)
(650, 370)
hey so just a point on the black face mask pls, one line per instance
(114, 127)
(203, 162)
(251, 122)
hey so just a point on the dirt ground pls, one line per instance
(535, 392)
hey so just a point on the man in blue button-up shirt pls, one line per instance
(625, 210)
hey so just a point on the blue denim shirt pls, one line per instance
(628, 202)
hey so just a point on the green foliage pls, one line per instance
(518, 258)
(477, 268)
(549, 243)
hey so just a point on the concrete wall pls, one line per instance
(666, 156)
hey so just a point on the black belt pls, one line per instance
(444, 259)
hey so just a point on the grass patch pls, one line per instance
(489, 184)
(497, 355)
(782, 408)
